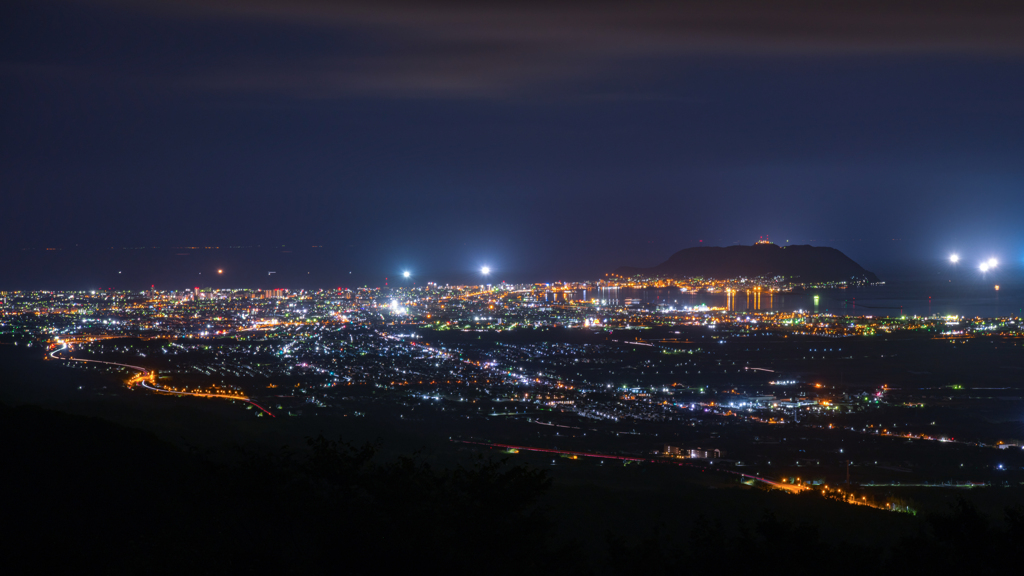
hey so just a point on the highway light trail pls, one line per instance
(140, 379)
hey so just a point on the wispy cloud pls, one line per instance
(502, 47)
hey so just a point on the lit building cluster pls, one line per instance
(563, 355)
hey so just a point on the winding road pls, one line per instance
(140, 379)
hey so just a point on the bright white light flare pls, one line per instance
(992, 262)
(406, 274)
(485, 270)
(984, 267)
(954, 258)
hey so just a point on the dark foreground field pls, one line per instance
(140, 484)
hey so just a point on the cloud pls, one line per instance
(498, 48)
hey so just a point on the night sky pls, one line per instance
(548, 140)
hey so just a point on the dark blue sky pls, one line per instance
(548, 141)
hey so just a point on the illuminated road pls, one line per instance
(204, 395)
(787, 487)
(67, 347)
(141, 381)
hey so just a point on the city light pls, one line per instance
(954, 258)
(219, 271)
(377, 328)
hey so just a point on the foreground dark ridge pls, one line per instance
(797, 263)
(84, 491)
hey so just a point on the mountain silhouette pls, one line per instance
(801, 263)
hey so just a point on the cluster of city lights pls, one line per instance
(985, 266)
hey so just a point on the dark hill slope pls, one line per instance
(802, 263)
